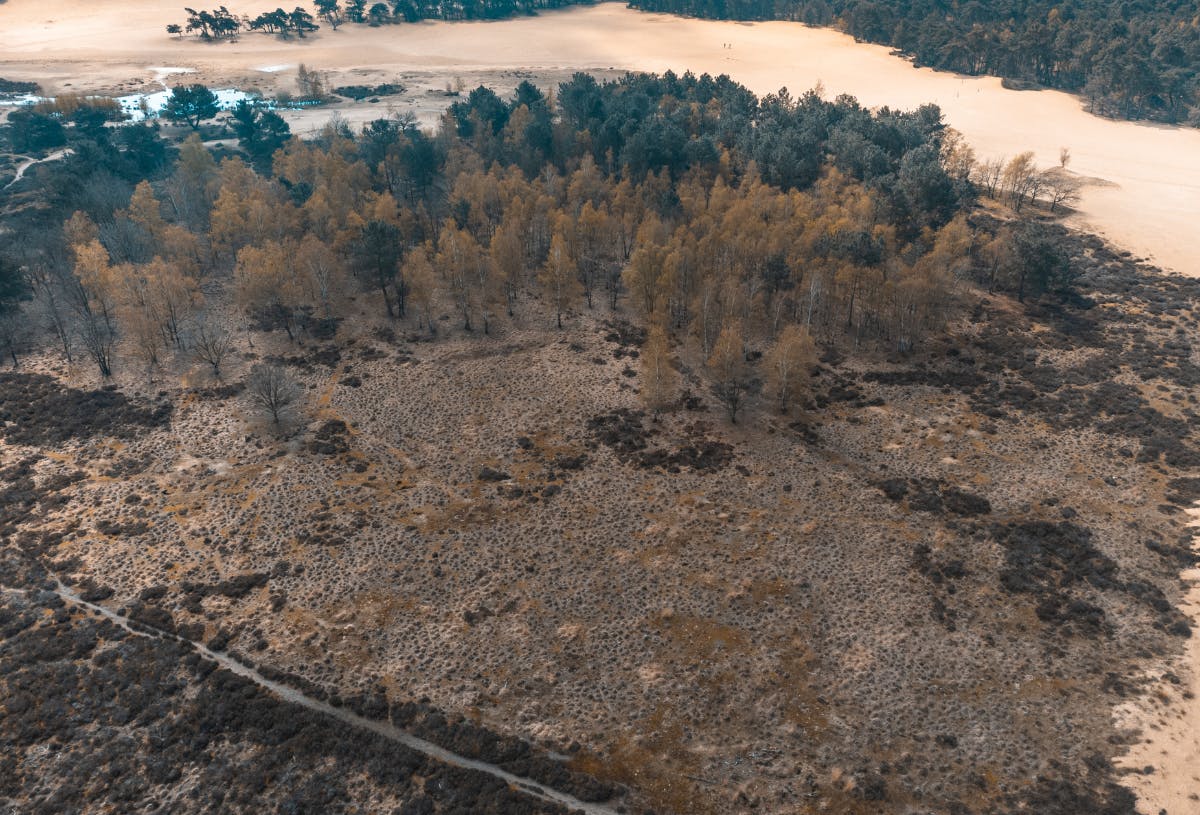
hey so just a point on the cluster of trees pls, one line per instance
(210, 25)
(260, 129)
(1019, 181)
(734, 228)
(223, 24)
(43, 126)
(410, 11)
(1136, 59)
(298, 20)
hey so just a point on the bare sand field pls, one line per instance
(1151, 174)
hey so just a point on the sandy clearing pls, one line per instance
(1171, 735)
(1154, 171)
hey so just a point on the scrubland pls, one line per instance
(915, 594)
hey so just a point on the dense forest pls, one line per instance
(1134, 60)
(725, 221)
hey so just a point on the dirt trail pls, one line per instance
(384, 729)
(32, 161)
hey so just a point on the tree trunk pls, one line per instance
(387, 301)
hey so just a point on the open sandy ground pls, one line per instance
(1171, 743)
(1153, 172)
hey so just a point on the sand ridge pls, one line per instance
(1152, 172)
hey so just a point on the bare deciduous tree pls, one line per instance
(98, 338)
(987, 175)
(13, 332)
(273, 392)
(1021, 182)
(1063, 188)
(211, 344)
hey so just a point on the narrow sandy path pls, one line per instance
(55, 156)
(385, 729)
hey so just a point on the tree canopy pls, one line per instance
(729, 222)
(191, 104)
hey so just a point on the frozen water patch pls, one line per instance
(274, 69)
(18, 99)
(140, 106)
(161, 72)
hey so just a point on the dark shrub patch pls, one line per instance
(332, 438)
(931, 495)
(621, 431)
(37, 410)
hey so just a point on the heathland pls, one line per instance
(647, 444)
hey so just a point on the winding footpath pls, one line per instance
(385, 729)
(29, 162)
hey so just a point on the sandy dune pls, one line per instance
(1153, 172)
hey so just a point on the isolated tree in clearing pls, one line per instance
(211, 344)
(273, 393)
(310, 84)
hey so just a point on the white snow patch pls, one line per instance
(140, 105)
(161, 72)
